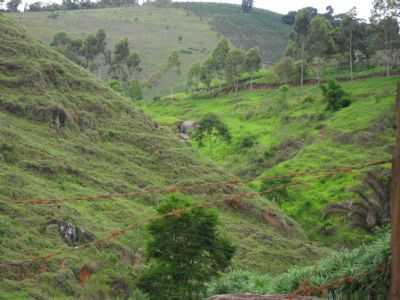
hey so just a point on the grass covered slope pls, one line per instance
(64, 135)
(290, 131)
(152, 32)
(260, 28)
(155, 33)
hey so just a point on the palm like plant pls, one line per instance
(371, 209)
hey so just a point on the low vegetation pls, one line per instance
(64, 137)
(362, 273)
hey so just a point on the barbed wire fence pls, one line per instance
(227, 188)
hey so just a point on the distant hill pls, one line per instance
(64, 135)
(260, 28)
(193, 29)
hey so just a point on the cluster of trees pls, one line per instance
(82, 51)
(92, 53)
(225, 64)
(320, 38)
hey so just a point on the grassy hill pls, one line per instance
(292, 132)
(260, 28)
(154, 33)
(64, 135)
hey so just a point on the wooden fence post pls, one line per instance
(395, 244)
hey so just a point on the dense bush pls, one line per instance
(335, 96)
(184, 252)
(359, 274)
(211, 127)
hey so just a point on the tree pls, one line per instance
(212, 128)
(335, 96)
(101, 41)
(289, 18)
(218, 58)
(384, 16)
(13, 5)
(134, 62)
(346, 32)
(234, 67)
(89, 49)
(185, 251)
(134, 90)
(319, 43)
(119, 63)
(121, 51)
(206, 73)
(194, 75)
(252, 63)
(301, 28)
(174, 61)
(247, 5)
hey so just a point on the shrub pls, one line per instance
(134, 90)
(211, 127)
(184, 252)
(335, 96)
(246, 142)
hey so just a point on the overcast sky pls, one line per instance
(283, 6)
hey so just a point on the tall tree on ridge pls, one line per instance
(320, 43)
(247, 5)
(346, 32)
(384, 16)
(301, 28)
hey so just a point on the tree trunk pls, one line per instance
(351, 55)
(303, 45)
(387, 52)
(395, 198)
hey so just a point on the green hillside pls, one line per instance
(64, 135)
(155, 33)
(260, 28)
(291, 132)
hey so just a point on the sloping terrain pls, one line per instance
(155, 33)
(259, 28)
(279, 132)
(64, 136)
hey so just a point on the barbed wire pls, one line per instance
(232, 183)
(227, 186)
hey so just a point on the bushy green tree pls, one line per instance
(335, 96)
(252, 63)
(134, 90)
(301, 28)
(194, 75)
(206, 73)
(185, 251)
(121, 51)
(320, 43)
(218, 58)
(234, 66)
(211, 127)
